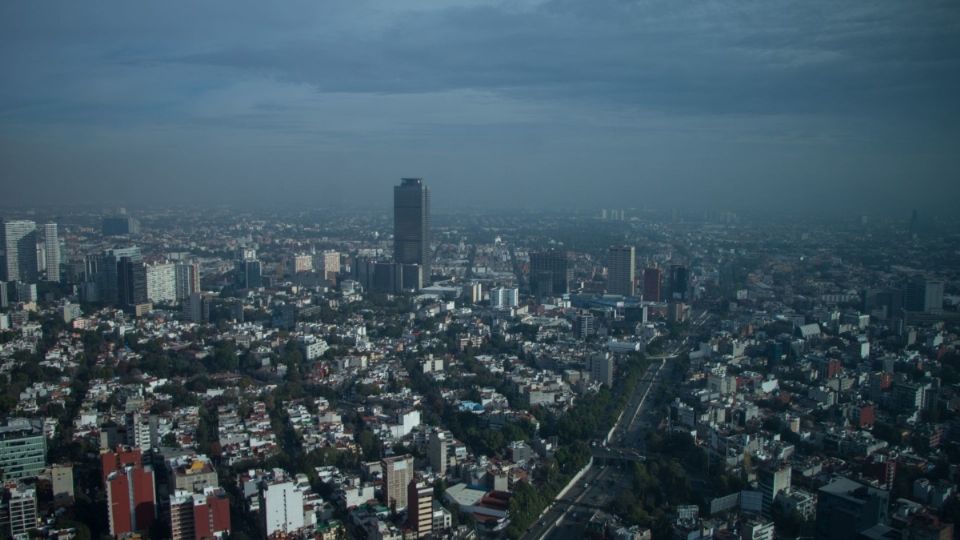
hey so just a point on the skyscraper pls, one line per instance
(51, 249)
(411, 225)
(679, 282)
(131, 282)
(18, 251)
(652, 281)
(188, 279)
(550, 273)
(622, 270)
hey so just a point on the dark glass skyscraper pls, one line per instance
(411, 224)
(550, 273)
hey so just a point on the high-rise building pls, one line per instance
(925, 295)
(397, 473)
(550, 273)
(420, 510)
(162, 283)
(622, 270)
(503, 297)
(61, 480)
(281, 504)
(301, 262)
(602, 368)
(772, 479)
(119, 226)
(18, 511)
(131, 282)
(328, 263)
(23, 449)
(197, 307)
(652, 281)
(411, 225)
(846, 507)
(107, 276)
(51, 250)
(249, 274)
(188, 279)
(18, 251)
(200, 515)
(439, 450)
(679, 282)
(131, 491)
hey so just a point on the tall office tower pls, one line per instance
(18, 511)
(188, 279)
(411, 225)
(162, 283)
(679, 282)
(108, 277)
(23, 449)
(420, 512)
(846, 507)
(923, 294)
(439, 450)
(199, 515)
(652, 281)
(281, 504)
(328, 262)
(249, 274)
(622, 270)
(772, 479)
(550, 273)
(601, 369)
(131, 491)
(197, 307)
(131, 282)
(51, 250)
(397, 473)
(18, 251)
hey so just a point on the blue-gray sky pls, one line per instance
(840, 105)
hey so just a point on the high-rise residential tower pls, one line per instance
(18, 251)
(397, 473)
(622, 270)
(411, 225)
(51, 250)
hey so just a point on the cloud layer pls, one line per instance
(846, 105)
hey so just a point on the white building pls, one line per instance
(51, 251)
(503, 297)
(162, 283)
(281, 504)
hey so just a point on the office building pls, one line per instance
(281, 504)
(193, 473)
(51, 252)
(397, 473)
(846, 507)
(420, 510)
(199, 515)
(187, 280)
(107, 268)
(23, 449)
(602, 369)
(300, 263)
(249, 274)
(61, 480)
(679, 282)
(584, 325)
(18, 511)
(622, 270)
(18, 251)
(162, 283)
(328, 264)
(924, 295)
(503, 297)
(131, 283)
(550, 273)
(197, 307)
(652, 282)
(439, 450)
(771, 480)
(411, 225)
(119, 226)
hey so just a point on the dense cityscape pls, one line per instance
(621, 373)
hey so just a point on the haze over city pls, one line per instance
(816, 105)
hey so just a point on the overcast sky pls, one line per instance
(815, 103)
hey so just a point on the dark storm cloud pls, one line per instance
(844, 104)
